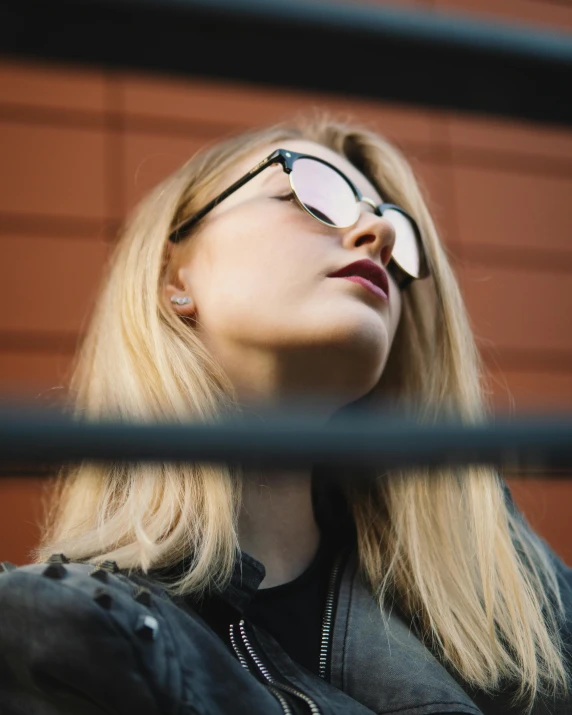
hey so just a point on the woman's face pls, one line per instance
(256, 271)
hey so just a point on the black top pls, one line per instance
(292, 613)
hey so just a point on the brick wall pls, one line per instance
(80, 146)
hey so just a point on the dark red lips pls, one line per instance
(365, 269)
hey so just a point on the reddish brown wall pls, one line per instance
(79, 147)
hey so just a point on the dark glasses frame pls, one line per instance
(286, 159)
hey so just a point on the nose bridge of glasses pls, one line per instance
(369, 202)
(388, 238)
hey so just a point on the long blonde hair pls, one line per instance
(462, 565)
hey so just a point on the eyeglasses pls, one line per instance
(327, 194)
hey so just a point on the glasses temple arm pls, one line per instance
(275, 157)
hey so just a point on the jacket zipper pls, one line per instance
(328, 617)
(242, 660)
(275, 686)
(272, 684)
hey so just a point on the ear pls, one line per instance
(178, 296)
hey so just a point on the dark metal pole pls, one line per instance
(420, 57)
(37, 437)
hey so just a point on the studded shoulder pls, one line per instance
(59, 617)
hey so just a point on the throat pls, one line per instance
(277, 525)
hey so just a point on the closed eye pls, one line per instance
(286, 197)
(316, 212)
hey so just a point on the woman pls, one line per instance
(202, 589)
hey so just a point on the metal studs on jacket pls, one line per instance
(58, 559)
(147, 628)
(143, 595)
(103, 598)
(54, 570)
(100, 574)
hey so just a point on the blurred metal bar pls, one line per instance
(418, 57)
(41, 437)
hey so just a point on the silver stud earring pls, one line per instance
(180, 301)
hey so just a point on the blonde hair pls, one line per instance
(463, 566)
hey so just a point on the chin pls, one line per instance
(362, 336)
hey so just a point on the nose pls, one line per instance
(374, 231)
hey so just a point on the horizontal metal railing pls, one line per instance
(422, 57)
(39, 438)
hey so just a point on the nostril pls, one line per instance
(366, 238)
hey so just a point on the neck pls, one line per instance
(277, 525)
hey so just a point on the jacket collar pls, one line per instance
(246, 578)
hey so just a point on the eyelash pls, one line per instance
(286, 197)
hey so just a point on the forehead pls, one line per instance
(304, 146)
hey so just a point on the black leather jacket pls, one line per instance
(85, 640)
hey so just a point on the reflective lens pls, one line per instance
(328, 196)
(324, 193)
(406, 252)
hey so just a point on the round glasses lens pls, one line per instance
(324, 193)
(406, 252)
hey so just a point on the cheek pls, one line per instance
(258, 270)
(264, 260)
(395, 307)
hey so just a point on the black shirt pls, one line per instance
(292, 613)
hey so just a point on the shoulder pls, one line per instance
(562, 571)
(75, 594)
(76, 638)
(58, 620)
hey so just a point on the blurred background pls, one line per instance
(79, 146)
